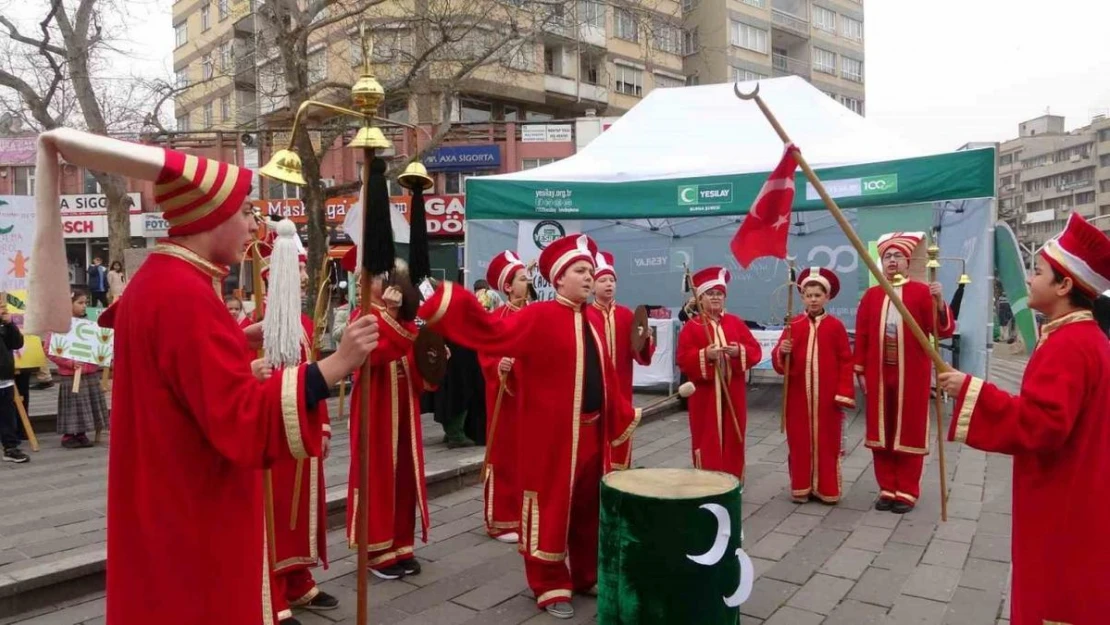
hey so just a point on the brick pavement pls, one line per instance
(846, 564)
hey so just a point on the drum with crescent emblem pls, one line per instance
(669, 549)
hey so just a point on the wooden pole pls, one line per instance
(493, 426)
(267, 474)
(842, 221)
(77, 379)
(361, 411)
(938, 402)
(789, 334)
(342, 396)
(31, 438)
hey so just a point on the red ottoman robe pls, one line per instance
(502, 483)
(820, 387)
(550, 364)
(191, 427)
(718, 437)
(1058, 432)
(302, 545)
(395, 387)
(615, 326)
(914, 369)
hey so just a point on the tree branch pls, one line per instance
(15, 35)
(40, 109)
(319, 5)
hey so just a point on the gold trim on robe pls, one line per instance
(967, 408)
(290, 393)
(444, 302)
(558, 593)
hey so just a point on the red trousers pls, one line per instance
(292, 588)
(554, 581)
(898, 473)
(501, 490)
(404, 505)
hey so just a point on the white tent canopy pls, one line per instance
(707, 131)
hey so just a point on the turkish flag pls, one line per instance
(767, 225)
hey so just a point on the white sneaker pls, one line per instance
(511, 537)
(561, 609)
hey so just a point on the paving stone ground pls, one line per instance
(843, 565)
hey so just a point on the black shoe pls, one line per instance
(84, 440)
(410, 566)
(883, 505)
(458, 444)
(16, 455)
(292, 620)
(71, 442)
(901, 507)
(42, 386)
(393, 571)
(322, 602)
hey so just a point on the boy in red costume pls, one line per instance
(895, 372)
(820, 388)
(578, 419)
(715, 351)
(614, 323)
(1058, 431)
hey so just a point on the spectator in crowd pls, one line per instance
(11, 339)
(98, 282)
(117, 281)
(83, 409)
(235, 307)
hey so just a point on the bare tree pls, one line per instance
(53, 76)
(425, 53)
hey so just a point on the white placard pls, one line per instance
(533, 133)
(767, 340)
(662, 367)
(559, 133)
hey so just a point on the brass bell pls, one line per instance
(371, 137)
(285, 166)
(898, 280)
(933, 263)
(416, 175)
(367, 94)
(965, 279)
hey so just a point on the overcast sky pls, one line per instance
(940, 73)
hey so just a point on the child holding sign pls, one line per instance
(83, 408)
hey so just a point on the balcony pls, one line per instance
(563, 28)
(242, 17)
(782, 65)
(567, 87)
(246, 73)
(790, 23)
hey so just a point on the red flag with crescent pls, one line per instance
(767, 225)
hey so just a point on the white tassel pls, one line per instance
(282, 330)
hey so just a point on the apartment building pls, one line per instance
(819, 40)
(581, 57)
(1047, 173)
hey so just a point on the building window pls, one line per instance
(690, 43)
(667, 82)
(474, 111)
(207, 68)
(208, 114)
(630, 81)
(455, 182)
(1087, 197)
(317, 65)
(851, 69)
(589, 71)
(183, 123)
(221, 8)
(748, 37)
(626, 26)
(532, 163)
(743, 75)
(853, 104)
(181, 78)
(851, 28)
(278, 190)
(667, 39)
(89, 183)
(824, 61)
(1006, 159)
(355, 52)
(689, 5)
(824, 19)
(205, 17)
(181, 34)
(521, 57)
(226, 57)
(1104, 135)
(755, 3)
(225, 108)
(536, 116)
(23, 182)
(693, 81)
(591, 13)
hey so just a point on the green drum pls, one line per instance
(669, 549)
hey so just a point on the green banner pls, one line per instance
(966, 174)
